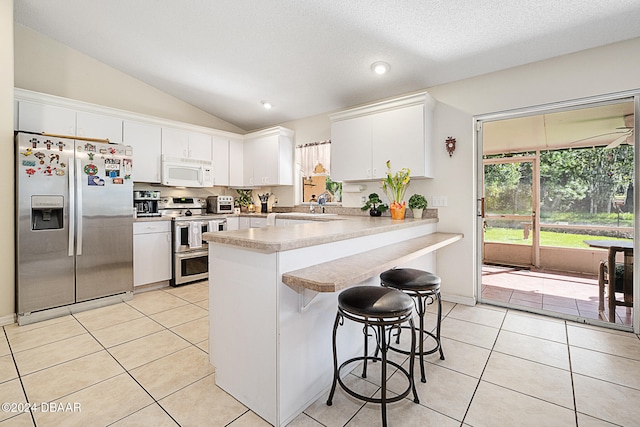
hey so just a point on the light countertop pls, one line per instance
(322, 229)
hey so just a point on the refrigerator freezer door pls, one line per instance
(104, 260)
(45, 271)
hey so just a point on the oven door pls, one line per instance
(190, 267)
(181, 231)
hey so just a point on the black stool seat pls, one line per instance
(410, 279)
(425, 288)
(380, 309)
(373, 301)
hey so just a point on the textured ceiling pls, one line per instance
(313, 56)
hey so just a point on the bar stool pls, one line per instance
(381, 309)
(424, 287)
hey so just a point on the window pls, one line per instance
(314, 162)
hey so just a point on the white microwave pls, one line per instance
(181, 172)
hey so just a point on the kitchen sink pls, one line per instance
(307, 214)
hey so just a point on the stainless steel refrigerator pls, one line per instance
(74, 224)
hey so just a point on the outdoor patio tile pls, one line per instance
(527, 296)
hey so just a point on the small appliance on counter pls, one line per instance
(220, 204)
(146, 203)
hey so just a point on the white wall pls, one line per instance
(44, 65)
(7, 283)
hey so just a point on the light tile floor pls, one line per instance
(145, 363)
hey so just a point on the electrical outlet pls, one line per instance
(439, 201)
(363, 199)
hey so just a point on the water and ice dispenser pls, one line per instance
(47, 212)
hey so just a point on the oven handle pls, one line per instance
(191, 254)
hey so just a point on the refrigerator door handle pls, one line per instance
(79, 203)
(72, 208)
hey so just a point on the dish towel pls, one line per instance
(195, 234)
(213, 226)
(271, 219)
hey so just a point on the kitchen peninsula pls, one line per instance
(273, 298)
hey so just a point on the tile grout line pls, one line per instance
(126, 370)
(15, 364)
(473, 395)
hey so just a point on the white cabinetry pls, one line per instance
(93, 125)
(36, 117)
(236, 163)
(151, 252)
(364, 138)
(258, 222)
(146, 141)
(233, 223)
(190, 145)
(220, 161)
(244, 222)
(268, 157)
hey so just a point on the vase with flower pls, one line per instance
(394, 186)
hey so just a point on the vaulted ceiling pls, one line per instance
(308, 57)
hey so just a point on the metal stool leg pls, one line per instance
(438, 324)
(383, 375)
(335, 360)
(365, 330)
(421, 308)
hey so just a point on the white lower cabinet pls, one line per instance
(258, 222)
(233, 223)
(245, 222)
(151, 252)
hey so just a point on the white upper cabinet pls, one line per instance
(35, 117)
(91, 125)
(268, 157)
(399, 130)
(200, 146)
(220, 161)
(351, 149)
(184, 144)
(236, 163)
(146, 140)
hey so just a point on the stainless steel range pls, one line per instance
(190, 221)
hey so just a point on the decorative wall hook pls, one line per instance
(450, 143)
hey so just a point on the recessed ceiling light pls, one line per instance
(380, 67)
(266, 104)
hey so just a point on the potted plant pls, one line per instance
(417, 203)
(394, 186)
(375, 205)
(244, 199)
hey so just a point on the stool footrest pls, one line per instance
(397, 398)
(417, 352)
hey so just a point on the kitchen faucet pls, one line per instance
(322, 200)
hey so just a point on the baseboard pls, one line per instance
(459, 299)
(9, 319)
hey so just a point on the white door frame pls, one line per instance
(557, 107)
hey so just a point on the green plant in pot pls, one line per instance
(244, 199)
(417, 204)
(394, 186)
(375, 205)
